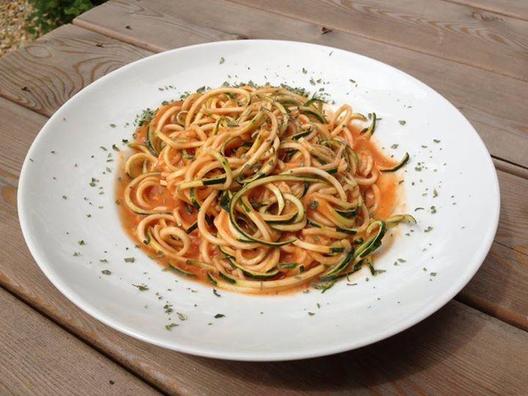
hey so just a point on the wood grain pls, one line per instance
(499, 288)
(446, 30)
(493, 103)
(512, 8)
(39, 358)
(47, 72)
(18, 130)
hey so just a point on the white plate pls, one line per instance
(437, 263)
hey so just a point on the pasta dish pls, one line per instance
(258, 189)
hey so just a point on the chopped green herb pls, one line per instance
(129, 259)
(81, 242)
(324, 286)
(76, 254)
(219, 315)
(435, 193)
(64, 197)
(113, 125)
(170, 326)
(436, 140)
(141, 287)
(215, 292)
(311, 313)
(402, 122)
(144, 118)
(106, 272)
(428, 229)
(222, 60)
(395, 146)
(181, 316)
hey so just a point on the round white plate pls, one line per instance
(450, 172)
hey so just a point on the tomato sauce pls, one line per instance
(387, 182)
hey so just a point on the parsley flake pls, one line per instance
(170, 326)
(181, 316)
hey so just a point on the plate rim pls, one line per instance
(417, 317)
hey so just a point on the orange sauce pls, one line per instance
(387, 183)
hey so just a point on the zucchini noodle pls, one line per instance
(258, 189)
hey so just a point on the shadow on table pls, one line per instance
(424, 345)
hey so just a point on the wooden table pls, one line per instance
(474, 52)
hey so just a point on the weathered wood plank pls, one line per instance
(18, 129)
(512, 8)
(37, 357)
(493, 103)
(510, 168)
(47, 72)
(447, 30)
(499, 288)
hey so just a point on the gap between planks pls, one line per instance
(84, 340)
(28, 363)
(510, 167)
(517, 9)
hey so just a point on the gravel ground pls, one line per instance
(13, 14)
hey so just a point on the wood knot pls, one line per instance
(484, 17)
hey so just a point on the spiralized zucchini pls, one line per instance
(257, 189)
